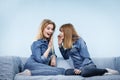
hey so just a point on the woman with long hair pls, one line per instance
(43, 58)
(72, 45)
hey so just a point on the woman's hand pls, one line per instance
(77, 71)
(50, 45)
(53, 61)
(60, 38)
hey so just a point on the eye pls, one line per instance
(48, 28)
(52, 29)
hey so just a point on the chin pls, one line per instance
(47, 37)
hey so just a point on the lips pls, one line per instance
(49, 34)
(59, 35)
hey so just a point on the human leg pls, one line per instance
(43, 69)
(87, 71)
(91, 70)
(69, 72)
(111, 71)
(72, 72)
(26, 72)
(47, 71)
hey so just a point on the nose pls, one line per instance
(61, 33)
(51, 31)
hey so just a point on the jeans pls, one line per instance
(92, 70)
(87, 71)
(43, 69)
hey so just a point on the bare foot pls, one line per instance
(111, 71)
(26, 72)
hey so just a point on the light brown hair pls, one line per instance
(43, 25)
(70, 35)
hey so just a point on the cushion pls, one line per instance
(9, 66)
(66, 64)
(105, 62)
(117, 63)
(51, 77)
(6, 68)
(107, 77)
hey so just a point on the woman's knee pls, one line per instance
(84, 74)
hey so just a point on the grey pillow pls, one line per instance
(9, 66)
(117, 63)
(104, 62)
(66, 64)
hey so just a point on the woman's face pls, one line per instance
(48, 31)
(61, 35)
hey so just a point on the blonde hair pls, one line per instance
(43, 25)
(70, 35)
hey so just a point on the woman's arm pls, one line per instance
(53, 58)
(84, 53)
(50, 45)
(65, 53)
(40, 51)
(53, 61)
(37, 50)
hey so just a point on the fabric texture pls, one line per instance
(6, 68)
(106, 62)
(117, 63)
(78, 53)
(66, 64)
(10, 66)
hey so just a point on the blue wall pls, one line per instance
(97, 21)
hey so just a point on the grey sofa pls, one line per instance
(11, 65)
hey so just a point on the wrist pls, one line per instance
(49, 48)
(60, 45)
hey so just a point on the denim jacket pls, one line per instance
(38, 48)
(78, 53)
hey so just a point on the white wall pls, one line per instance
(97, 21)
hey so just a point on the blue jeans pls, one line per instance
(92, 70)
(87, 71)
(43, 69)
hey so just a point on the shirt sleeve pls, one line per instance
(37, 52)
(84, 53)
(64, 52)
(53, 52)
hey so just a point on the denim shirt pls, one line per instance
(38, 48)
(78, 53)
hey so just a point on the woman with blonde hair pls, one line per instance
(43, 58)
(72, 45)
